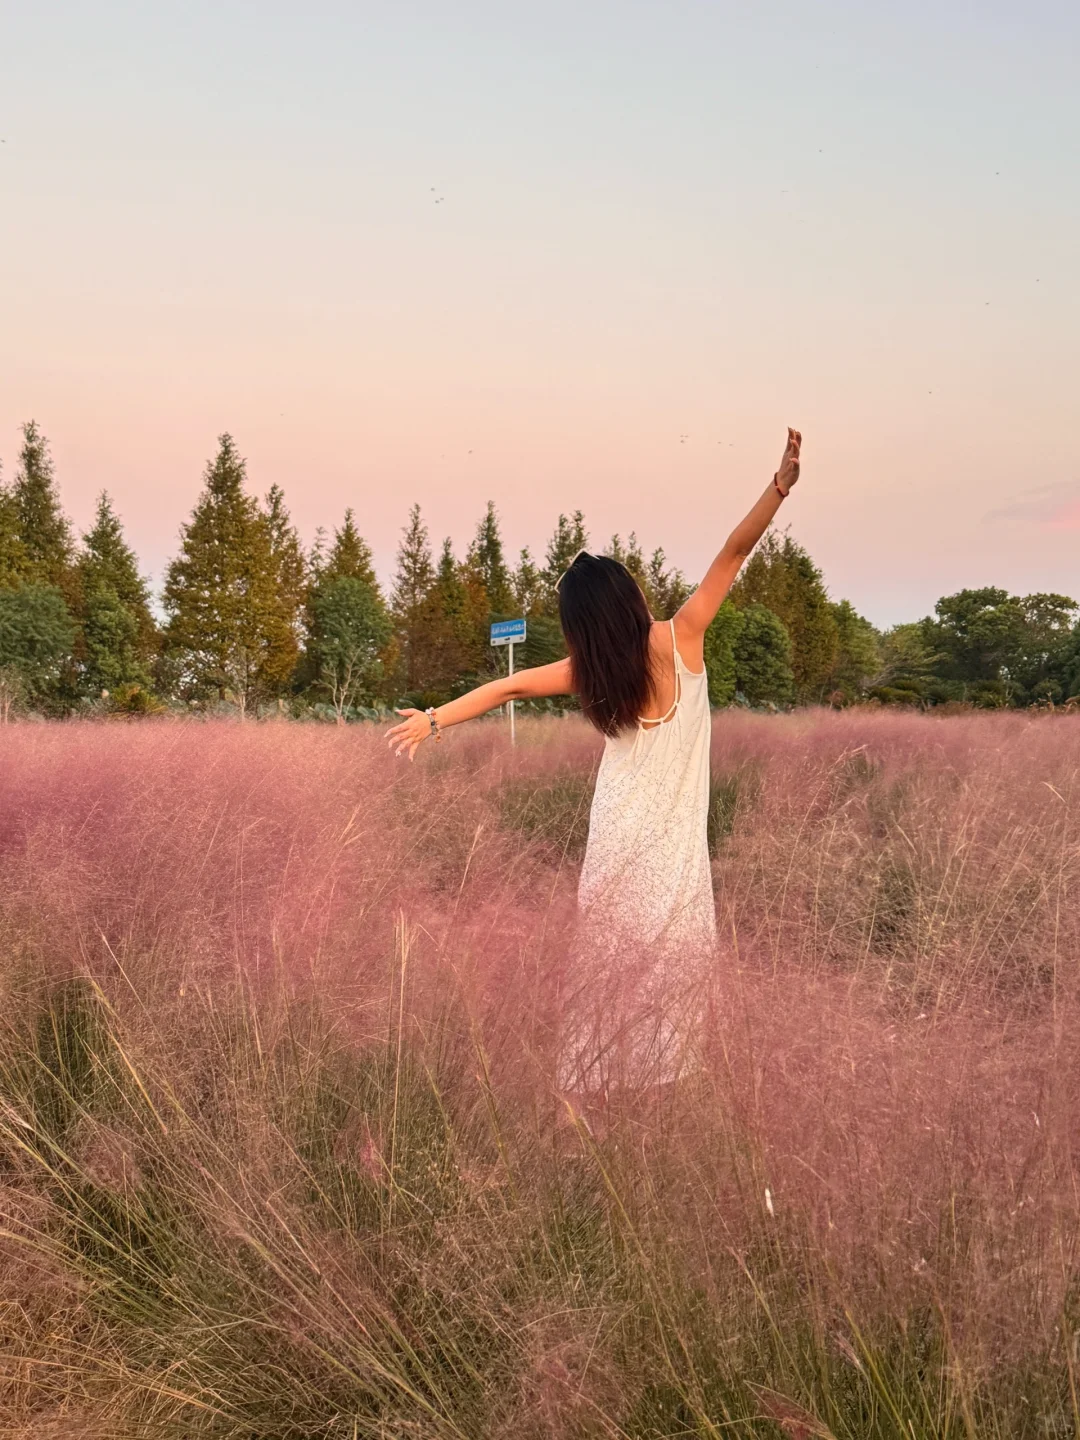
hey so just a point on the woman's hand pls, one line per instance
(415, 728)
(788, 473)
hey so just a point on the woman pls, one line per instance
(646, 883)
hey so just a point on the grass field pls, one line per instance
(280, 1156)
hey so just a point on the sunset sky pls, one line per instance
(586, 255)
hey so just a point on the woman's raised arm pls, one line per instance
(695, 616)
(534, 684)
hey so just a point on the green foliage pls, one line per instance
(351, 629)
(413, 581)
(570, 536)
(781, 576)
(486, 564)
(351, 555)
(528, 586)
(119, 636)
(230, 633)
(720, 642)
(14, 568)
(763, 668)
(858, 655)
(999, 649)
(42, 528)
(37, 633)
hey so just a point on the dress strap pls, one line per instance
(653, 722)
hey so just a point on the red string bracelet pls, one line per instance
(776, 482)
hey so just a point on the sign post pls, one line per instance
(510, 633)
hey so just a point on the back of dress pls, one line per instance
(646, 879)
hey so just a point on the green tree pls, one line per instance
(721, 639)
(13, 560)
(350, 555)
(230, 632)
(631, 556)
(351, 632)
(486, 564)
(1049, 628)
(448, 632)
(665, 589)
(858, 656)
(528, 586)
(907, 664)
(119, 636)
(37, 634)
(763, 669)
(413, 580)
(41, 525)
(981, 635)
(781, 576)
(287, 557)
(570, 536)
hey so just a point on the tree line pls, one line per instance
(248, 618)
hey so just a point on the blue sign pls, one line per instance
(508, 632)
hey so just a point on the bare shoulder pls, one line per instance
(690, 641)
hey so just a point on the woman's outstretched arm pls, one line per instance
(533, 684)
(697, 613)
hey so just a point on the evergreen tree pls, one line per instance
(412, 584)
(446, 648)
(665, 589)
(351, 632)
(858, 655)
(107, 559)
(720, 642)
(13, 560)
(763, 669)
(350, 555)
(230, 631)
(570, 536)
(40, 522)
(781, 576)
(486, 563)
(528, 586)
(37, 635)
(286, 553)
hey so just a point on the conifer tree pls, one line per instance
(858, 654)
(350, 555)
(570, 536)
(720, 641)
(665, 589)
(781, 576)
(446, 647)
(763, 657)
(286, 553)
(528, 586)
(229, 632)
(41, 524)
(13, 562)
(413, 580)
(348, 649)
(118, 630)
(486, 563)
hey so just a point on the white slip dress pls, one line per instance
(647, 921)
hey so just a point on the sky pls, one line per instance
(590, 254)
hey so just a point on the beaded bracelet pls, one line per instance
(783, 493)
(436, 733)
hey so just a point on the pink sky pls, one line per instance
(661, 228)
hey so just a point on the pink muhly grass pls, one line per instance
(330, 989)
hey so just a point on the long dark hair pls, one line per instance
(606, 624)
